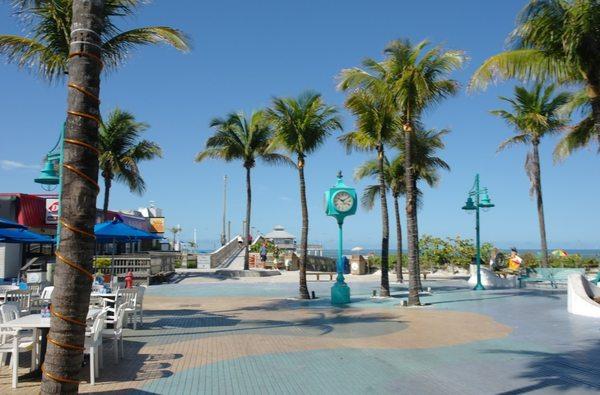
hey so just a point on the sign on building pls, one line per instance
(51, 211)
(157, 225)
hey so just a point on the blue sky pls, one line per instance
(247, 52)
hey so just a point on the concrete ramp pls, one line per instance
(580, 296)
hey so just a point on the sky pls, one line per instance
(245, 53)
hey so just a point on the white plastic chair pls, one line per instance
(138, 312)
(93, 346)
(20, 298)
(116, 332)
(13, 341)
(47, 294)
(128, 297)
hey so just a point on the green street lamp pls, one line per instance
(478, 198)
(51, 175)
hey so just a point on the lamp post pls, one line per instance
(478, 198)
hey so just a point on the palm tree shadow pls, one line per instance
(560, 371)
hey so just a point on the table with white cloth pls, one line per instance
(39, 325)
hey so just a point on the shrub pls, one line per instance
(102, 263)
(192, 264)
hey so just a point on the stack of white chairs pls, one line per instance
(13, 341)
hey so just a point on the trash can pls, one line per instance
(346, 265)
(358, 265)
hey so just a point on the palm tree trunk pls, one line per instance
(416, 231)
(72, 286)
(304, 235)
(540, 203)
(411, 219)
(107, 185)
(399, 276)
(385, 224)
(248, 212)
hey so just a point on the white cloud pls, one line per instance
(13, 165)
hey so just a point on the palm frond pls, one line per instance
(117, 48)
(522, 64)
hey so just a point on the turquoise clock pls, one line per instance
(340, 202)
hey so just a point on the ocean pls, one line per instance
(583, 252)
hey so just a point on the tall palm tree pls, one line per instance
(394, 181)
(427, 166)
(534, 114)
(46, 51)
(77, 38)
(418, 79)
(301, 126)
(175, 230)
(555, 40)
(121, 151)
(370, 101)
(247, 139)
(79, 189)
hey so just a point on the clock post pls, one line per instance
(340, 202)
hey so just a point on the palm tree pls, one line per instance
(370, 101)
(46, 51)
(54, 49)
(239, 138)
(426, 164)
(394, 181)
(175, 230)
(535, 114)
(555, 40)
(73, 274)
(121, 151)
(301, 126)
(418, 79)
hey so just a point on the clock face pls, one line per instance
(342, 201)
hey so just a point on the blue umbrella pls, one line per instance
(23, 236)
(4, 223)
(117, 230)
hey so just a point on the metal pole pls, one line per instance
(60, 178)
(479, 286)
(340, 263)
(223, 239)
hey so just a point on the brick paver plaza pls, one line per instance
(250, 337)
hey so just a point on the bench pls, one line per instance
(318, 274)
(424, 273)
(550, 275)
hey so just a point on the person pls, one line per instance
(263, 252)
(493, 259)
(240, 240)
(514, 262)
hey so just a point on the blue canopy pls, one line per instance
(116, 230)
(4, 223)
(23, 236)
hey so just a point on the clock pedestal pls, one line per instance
(340, 294)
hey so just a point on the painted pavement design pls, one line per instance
(235, 337)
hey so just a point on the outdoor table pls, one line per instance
(39, 323)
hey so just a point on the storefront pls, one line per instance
(40, 214)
